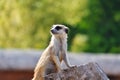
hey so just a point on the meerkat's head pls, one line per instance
(59, 30)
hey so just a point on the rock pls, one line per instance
(89, 71)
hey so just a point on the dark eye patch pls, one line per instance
(66, 30)
(58, 27)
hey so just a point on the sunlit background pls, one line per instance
(94, 25)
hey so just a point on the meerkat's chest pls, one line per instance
(58, 51)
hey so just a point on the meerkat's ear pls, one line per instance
(66, 30)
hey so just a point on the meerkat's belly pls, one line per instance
(51, 68)
(60, 56)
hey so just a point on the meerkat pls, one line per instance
(54, 54)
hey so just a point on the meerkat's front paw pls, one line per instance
(73, 66)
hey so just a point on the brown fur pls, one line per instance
(54, 54)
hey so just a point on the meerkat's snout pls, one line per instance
(59, 29)
(53, 31)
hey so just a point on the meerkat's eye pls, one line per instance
(66, 30)
(58, 27)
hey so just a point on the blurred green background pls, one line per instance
(94, 25)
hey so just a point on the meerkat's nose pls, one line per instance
(52, 30)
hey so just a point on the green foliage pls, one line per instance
(104, 27)
(79, 43)
(26, 23)
(94, 25)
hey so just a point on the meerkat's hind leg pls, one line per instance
(39, 74)
(40, 69)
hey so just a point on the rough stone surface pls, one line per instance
(90, 71)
